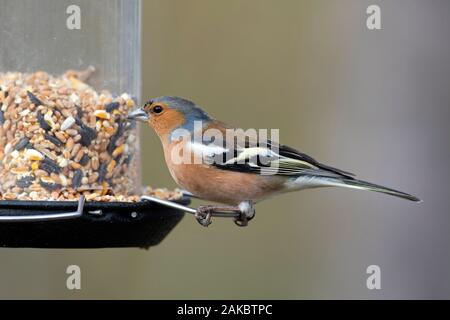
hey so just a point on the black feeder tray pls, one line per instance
(72, 224)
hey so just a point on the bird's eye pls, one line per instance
(157, 109)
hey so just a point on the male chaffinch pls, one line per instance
(223, 171)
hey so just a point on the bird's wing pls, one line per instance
(274, 159)
(248, 154)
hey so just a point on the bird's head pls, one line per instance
(165, 114)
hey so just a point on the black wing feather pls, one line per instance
(289, 152)
(284, 151)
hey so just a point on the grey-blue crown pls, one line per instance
(188, 108)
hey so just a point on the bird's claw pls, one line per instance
(241, 220)
(204, 215)
(245, 210)
(246, 213)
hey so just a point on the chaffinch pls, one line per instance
(202, 159)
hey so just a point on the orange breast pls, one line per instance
(230, 187)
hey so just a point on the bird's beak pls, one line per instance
(138, 114)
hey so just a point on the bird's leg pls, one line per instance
(204, 214)
(245, 211)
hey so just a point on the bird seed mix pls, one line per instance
(59, 138)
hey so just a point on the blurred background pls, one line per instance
(376, 103)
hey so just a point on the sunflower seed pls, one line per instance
(44, 125)
(48, 119)
(128, 159)
(49, 184)
(25, 181)
(87, 135)
(46, 152)
(33, 99)
(67, 123)
(115, 137)
(79, 111)
(110, 107)
(53, 140)
(84, 160)
(102, 172)
(50, 166)
(22, 144)
(76, 180)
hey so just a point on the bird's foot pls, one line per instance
(246, 213)
(204, 215)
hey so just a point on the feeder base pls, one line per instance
(102, 225)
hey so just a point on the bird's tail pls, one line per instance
(364, 185)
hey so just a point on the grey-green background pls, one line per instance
(376, 103)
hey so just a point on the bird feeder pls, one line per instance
(69, 159)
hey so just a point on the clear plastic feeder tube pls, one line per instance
(63, 128)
